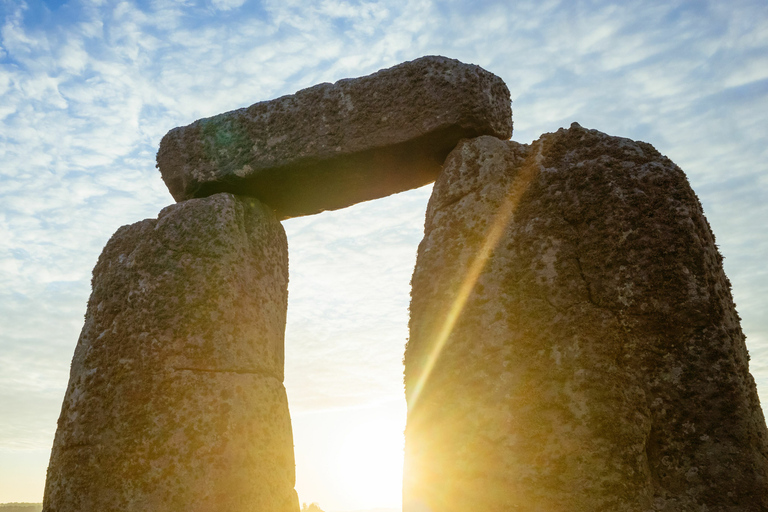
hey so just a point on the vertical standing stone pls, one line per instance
(594, 360)
(176, 399)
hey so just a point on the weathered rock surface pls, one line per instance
(598, 362)
(334, 145)
(176, 399)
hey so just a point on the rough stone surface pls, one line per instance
(598, 363)
(176, 399)
(334, 145)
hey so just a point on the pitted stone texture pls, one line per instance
(175, 399)
(334, 145)
(598, 363)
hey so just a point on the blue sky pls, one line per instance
(88, 88)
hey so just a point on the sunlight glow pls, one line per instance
(351, 458)
(503, 217)
(370, 463)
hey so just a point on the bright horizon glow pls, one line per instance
(360, 454)
(370, 462)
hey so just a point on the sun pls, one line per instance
(351, 458)
(369, 461)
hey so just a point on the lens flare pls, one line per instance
(519, 185)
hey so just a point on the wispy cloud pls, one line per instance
(348, 295)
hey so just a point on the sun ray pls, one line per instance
(507, 210)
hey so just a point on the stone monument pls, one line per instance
(573, 341)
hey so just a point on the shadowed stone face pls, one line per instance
(334, 145)
(594, 360)
(176, 399)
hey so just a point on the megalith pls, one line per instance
(176, 399)
(573, 345)
(334, 145)
(573, 341)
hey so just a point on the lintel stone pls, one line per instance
(333, 145)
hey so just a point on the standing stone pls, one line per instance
(596, 362)
(334, 145)
(175, 399)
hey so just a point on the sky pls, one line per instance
(89, 87)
